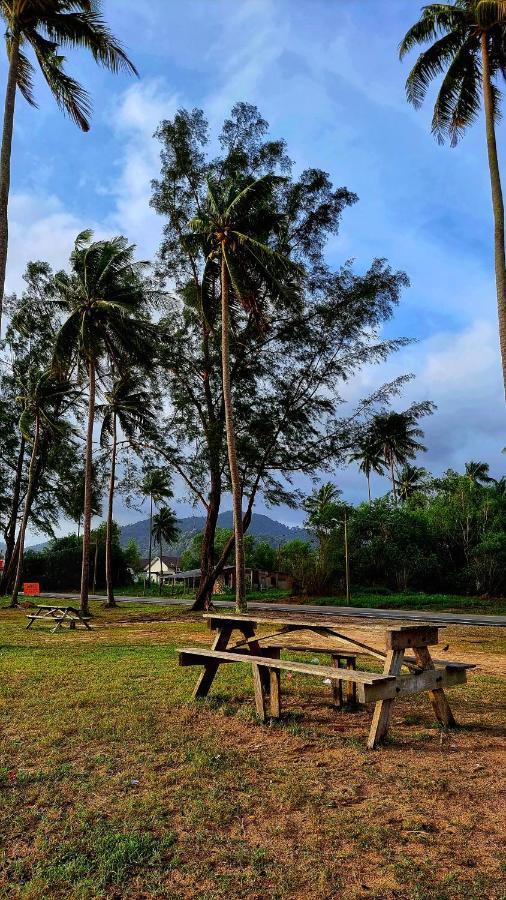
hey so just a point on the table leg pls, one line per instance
(256, 650)
(337, 686)
(351, 687)
(258, 684)
(383, 708)
(438, 699)
(275, 693)
(208, 674)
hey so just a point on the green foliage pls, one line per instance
(132, 556)
(58, 566)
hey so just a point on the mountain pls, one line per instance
(262, 527)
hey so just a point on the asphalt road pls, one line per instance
(394, 615)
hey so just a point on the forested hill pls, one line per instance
(262, 527)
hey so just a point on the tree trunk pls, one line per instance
(204, 593)
(240, 574)
(10, 532)
(26, 513)
(150, 538)
(108, 540)
(369, 485)
(88, 488)
(5, 162)
(95, 566)
(497, 202)
(161, 564)
(392, 477)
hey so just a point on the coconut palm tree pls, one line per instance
(127, 404)
(157, 486)
(468, 48)
(48, 27)
(368, 455)
(164, 528)
(104, 297)
(42, 412)
(396, 437)
(411, 480)
(235, 228)
(478, 472)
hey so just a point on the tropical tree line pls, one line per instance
(443, 534)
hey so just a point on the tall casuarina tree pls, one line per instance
(468, 48)
(235, 226)
(48, 28)
(104, 297)
(127, 405)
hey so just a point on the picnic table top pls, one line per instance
(302, 621)
(58, 608)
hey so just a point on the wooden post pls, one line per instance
(337, 686)
(383, 708)
(351, 687)
(275, 693)
(438, 699)
(258, 684)
(208, 674)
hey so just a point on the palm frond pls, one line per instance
(89, 30)
(458, 101)
(430, 63)
(436, 19)
(70, 96)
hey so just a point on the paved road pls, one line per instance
(408, 615)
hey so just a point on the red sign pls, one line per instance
(1, 565)
(31, 589)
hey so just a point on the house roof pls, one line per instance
(167, 561)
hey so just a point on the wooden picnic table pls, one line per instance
(60, 616)
(322, 634)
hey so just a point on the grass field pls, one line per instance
(112, 785)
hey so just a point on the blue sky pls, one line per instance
(325, 73)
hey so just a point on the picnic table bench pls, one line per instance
(59, 616)
(263, 654)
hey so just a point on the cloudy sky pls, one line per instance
(326, 74)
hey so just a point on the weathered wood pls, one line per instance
(351, 688)
(337, 686)
(275, 692)
(207, 676)
(411, 636)
(437, 696)
(258, 684)
(417, 683)
(383, 708)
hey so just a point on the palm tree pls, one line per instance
(48, 27)
(104, 297)
(396, 436)
(478, 472)
(157, 486)
(164, 528)
(468, 47)
(41, 412)
(128, 405)
(234, 228)
(368, 456)
(411, 480)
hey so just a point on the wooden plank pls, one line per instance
(437, 696)
(383, 708)
(337, 686)
(192, 656)
(416, 683)
(258, 684)
(412, 636)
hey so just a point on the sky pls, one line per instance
(326, 75)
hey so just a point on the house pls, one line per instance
(168, 567)
(256, 580)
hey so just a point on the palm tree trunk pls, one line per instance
(95, 566)
(368, 475)
(26, 513)
(240, 574)
(497, 202)
(108, 539)
(160, 584)
(392, 478)
(150, 538)
(88, 486)
(5, 162)
(10, 532)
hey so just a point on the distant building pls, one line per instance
(167, 567)
(256, 580)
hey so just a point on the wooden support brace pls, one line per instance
(258, 684)
(438, 699)
(208, 673)
(275, 693)
(383, 708)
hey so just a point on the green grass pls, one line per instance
(417, 601)
(113, 785)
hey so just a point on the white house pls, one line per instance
(163, 567)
